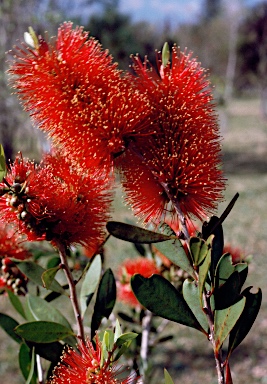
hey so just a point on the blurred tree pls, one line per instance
(252, 59)
(121, 36)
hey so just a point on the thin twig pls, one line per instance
(146, 326)
(73, 293)
(39, 370)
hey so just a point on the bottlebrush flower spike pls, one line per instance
(53, 201)
(85, 366)
(183, 157)
(83, 101)
(145, 267)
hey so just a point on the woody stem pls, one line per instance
(72, 288)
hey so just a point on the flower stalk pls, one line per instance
(72, 288)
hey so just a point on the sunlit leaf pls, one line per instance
(105, 300)
(3, 168)
(246, 320)
(48, 277)
(134, 234)
(191, 296)
(90, 282)
(224, 321)
(174, 251)
(43, 331)
(167, 377)
(199, 249)
(34, 272)
(165, 54)
(126, 338)
(159, 296)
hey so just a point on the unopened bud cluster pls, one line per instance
(12, 278)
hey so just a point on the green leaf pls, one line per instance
(159, 296)
(126, 338)
(134, 234)
(3, 169)
(31, 372)
(25, 362)
(43, 331)
(90, 283)
(246, 320)
(53, 262)
(174, 250)
(202, 274)
(214, 227)
(48, 277)
(118, 331)
(15, 301)
(224, 321)
(105, 300)
(229, 293)
(9, 324)
(191, 296)
(167, 377)
(43, 311)
(224, 270)
(34, 272)
(199, 249)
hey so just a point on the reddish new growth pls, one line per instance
(87, 366)
(53, 201)
(145, 267)
(83, 101)
(183, 157)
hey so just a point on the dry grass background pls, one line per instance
(189, 358)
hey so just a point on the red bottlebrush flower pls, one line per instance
(53, 201)
(183, 157)
(128, 268)
(83, 102)
(11, 244)
(86, 367)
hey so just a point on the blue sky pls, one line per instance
(175, 11)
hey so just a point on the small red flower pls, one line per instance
(86, 366)
(145, 267)
(182, 159)
(54, 201)
(83, 101)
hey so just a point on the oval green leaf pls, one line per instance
(35, 272)
(246, 320)
(134, 234)
(9, 324)
(90, 282)
(105, 300)
(159, 296)
(174, 251)
(43, 331)
(25, 360)
(49, 276)
(225, 320)
(191, 296)
(15, 301)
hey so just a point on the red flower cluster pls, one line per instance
(158, 129)
(145, 267)
(53, 201)
(87, 366)
(83, 101)
(181, 162)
